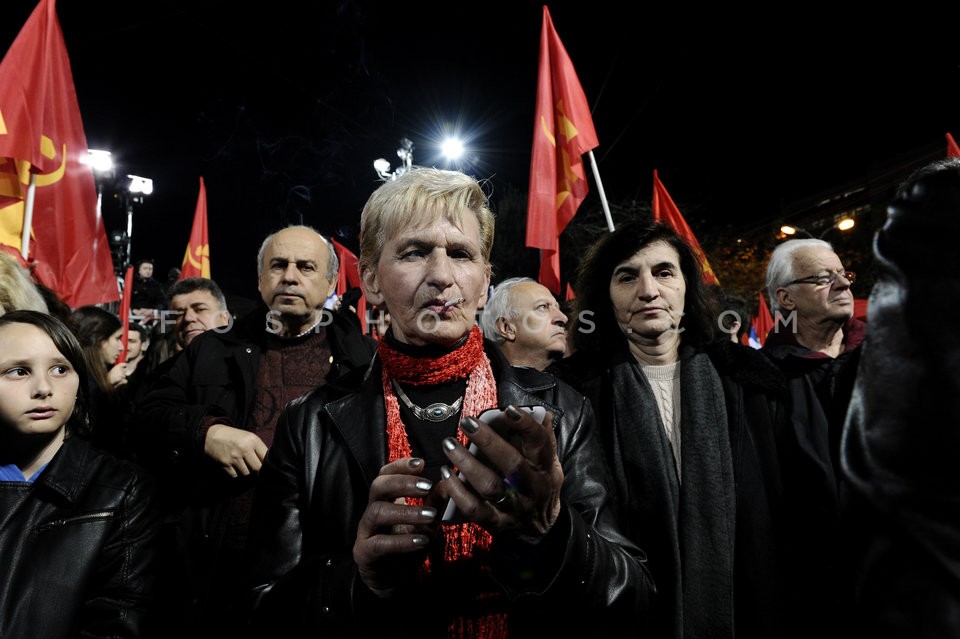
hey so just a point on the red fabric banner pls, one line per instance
(349, 277)
(763, 321)
(41, 133)
(562, 132)
(196, 260)
(953, 151)
(125, 314)
(666, 211)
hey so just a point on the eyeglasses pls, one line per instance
(827, 279)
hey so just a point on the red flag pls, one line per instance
(762, 322)
(125, 314)
(562, 132)
(41, 132)
(196, 260)
(349, 277)
(666, 211)
(860, 305)
(953, 151)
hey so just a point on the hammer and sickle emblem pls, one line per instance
(11, 217)
(202, 253)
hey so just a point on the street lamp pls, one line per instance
(452, 149)
(405, 153)
(843, 224)
(101, 163)
(136, 189)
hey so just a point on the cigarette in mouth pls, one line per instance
(454, 302)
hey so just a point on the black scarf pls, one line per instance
(686, 528)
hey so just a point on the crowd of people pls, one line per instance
(491, 462)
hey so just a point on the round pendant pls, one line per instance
(438, 412)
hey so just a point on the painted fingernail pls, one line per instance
(416, 462)
(420, 541)
(424, 484)
(428, 513)
(445, 472)
(449, 444)
(514, 413)
(469, 425)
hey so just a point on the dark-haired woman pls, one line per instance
(100, 335)
(688, 419)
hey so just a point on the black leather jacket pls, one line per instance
(78, 548)
(214, 376)
(314, 487)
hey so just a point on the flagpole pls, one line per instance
(603, 196)
(43, 128)
(28, 217)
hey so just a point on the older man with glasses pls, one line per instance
(816, 343)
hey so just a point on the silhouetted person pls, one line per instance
(173, 276)
(148, 296)
(902, 437)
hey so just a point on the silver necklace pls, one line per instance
(436, 412)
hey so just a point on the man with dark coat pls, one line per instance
(147, 296)
(816, 343)
(208, 422)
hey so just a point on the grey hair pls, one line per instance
(780, 268)
(499, 306)
(333, 263)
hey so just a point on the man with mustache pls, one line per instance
(211, 418)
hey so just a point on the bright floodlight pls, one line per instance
(99, 161)
(452, 148)
(846, 224)
(140, 185)
(788, 230)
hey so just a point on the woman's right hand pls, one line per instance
(518, 488)
(392, 535)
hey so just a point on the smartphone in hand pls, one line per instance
(489, 417)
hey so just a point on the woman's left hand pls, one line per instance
(117, 375)
(506, 486)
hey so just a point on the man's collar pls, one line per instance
(854, 332)
(273, 320)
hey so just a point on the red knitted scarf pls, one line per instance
(470, 362)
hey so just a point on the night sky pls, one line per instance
(283, 106)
